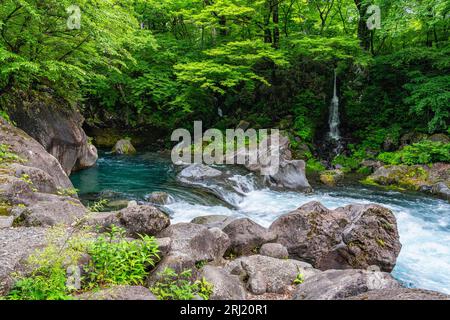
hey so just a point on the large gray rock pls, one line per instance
(211, 221)
(340, 284)
(15, 247)
(225, 285)
(197, 172)
(57, 126)
(33, 154)
(441, 190)
(356, 236)
(274, 250)
(119, 293)
(290, 174)
(246, 236)
(135, 220)
(269, 275)
(191, 244)
(161, 198)
(401, 294)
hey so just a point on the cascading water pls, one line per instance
(424, 223)
(334, 120)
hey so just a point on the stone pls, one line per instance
(412, 137)
(219, 221)
(246, 236)
(341, 284)
(136, 220)
(57, 126)
(225, 285)
(331, 177)
(16, 244)
(164, 245)
(161, 198)
(441, 190)
(400, 294)
(269, 275)
(124, 146)
(198, 172)
(119, 293)
(6, 222)
(439, 137)
(353, 237)
(274, 250)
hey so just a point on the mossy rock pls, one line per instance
(331, 177)
(124, 146)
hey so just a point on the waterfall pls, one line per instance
(334, 121)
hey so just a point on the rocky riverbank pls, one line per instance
(310, 253)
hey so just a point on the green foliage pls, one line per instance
(115, 260)
(425, 152)
(67, 192)
(299, 279)
(313, 165)
(173, 286)
(98, 206)
(348, 163)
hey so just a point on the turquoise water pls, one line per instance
(423, 222)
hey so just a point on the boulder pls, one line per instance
(213, 221)
(57, 126)
(161, 198)
(191, 244)
(441, 190)
(119, 293)
(331, 177)
(439, 137)
(225, 285)
(145, 220)
(356, 236)
(33, 154)
(263, 274)
(15, 246)
(412, 137)
(341, 284)
(246, 236)
(124, 146)
(400, 294)
(274, 250)
(197, 172)
(164, 245)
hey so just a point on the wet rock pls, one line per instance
(225, 285)
(16, 244)
(57, 126)
(332, 177)
(441, 190)
(356, 236)
(161, 198)
(124, 146)
(218, 221)
(401, 294)
(341, 284)
(246, 236)
(197, 172)
(268, 275)
(274, 250)
(119, 293)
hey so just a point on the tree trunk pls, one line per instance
(363, 31)
(276, 29)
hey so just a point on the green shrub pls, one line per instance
(313, 165)
(98, 206)
(348, 163)
(173, 286)
(115, 260)
(425, 152)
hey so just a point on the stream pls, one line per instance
(423, 222)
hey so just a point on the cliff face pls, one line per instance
(57, 127)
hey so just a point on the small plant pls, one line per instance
(6, 156)
(98, 206)
(67, 192)
(115, 260)
(424, 152)
(200, 264)
(299, 279)
(26, 178)
(174, 286)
